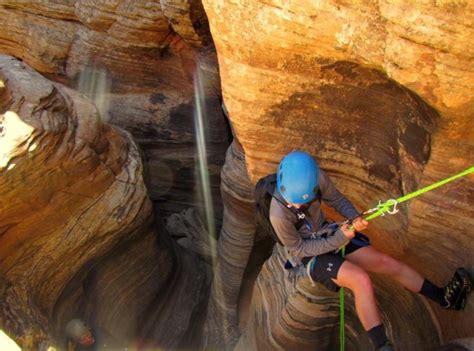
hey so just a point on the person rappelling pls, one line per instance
(82, 337)
(290, 203)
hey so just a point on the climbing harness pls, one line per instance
(265, 191)
(390, 207)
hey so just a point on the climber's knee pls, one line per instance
(386, 264)
(354, 277)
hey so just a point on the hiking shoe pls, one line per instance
(457, 290)
(386, 347)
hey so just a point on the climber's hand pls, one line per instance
(348, 231)
(360, 224)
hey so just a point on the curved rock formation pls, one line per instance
(76, 236)
(305, 317)
(60, 168)
(233, 251)
(381, 94)
(137, 60)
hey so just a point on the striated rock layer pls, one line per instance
(76, 235)
(142, 63)
(233, 251)
(61, 171)
(308, 316)
(137, 60)
(381, 94)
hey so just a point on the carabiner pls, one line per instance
(393, 203)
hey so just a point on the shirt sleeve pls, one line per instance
(333, 198)
(290, 237)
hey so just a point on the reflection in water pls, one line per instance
(94, 83)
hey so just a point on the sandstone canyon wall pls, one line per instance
(137, 60)
(381, 93)
(77, 236)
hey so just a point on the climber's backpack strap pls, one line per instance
(264, 192)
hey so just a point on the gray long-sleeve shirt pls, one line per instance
(283, 221)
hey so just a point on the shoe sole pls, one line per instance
(466, 279)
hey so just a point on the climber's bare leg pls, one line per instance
(358, 281)
(372, 260)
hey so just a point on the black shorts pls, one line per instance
(324, 268)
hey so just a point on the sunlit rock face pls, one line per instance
(381, 95)
(76, 234)
(137, 60)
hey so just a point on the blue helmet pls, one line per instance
(298, 178)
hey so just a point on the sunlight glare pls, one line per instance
(200, 114)
(7, 344)
(14, 132)
(95, 84)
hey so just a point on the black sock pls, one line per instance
(377, 335)
(433, 292)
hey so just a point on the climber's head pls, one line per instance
(79, 332)
(298, 178)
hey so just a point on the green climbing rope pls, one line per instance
(389, 206)
(342, 331)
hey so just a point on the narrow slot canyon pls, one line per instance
(133, 134)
